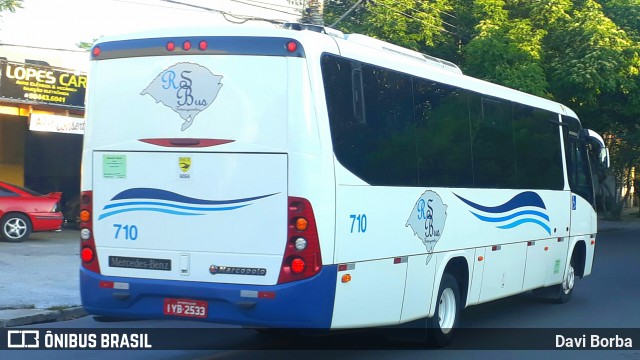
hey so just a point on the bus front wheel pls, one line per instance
(441, 327)
(564, 290)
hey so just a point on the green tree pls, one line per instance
(10, 5)
(582, 53)
(506, 50)
(415, 24)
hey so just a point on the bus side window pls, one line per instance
(578, 168)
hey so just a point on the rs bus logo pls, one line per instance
(427, 220)
(526, 207)
(185, 88)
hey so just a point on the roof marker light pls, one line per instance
(96, 51)
(186, 45)
(203, 45)
(171, 46)
(292, 46)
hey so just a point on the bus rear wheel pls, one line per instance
(441, 327)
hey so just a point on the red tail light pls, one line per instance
(302, 258)
(88, 252)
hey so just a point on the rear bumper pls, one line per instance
(46, 221)
(302, 304)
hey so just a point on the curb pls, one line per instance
(19, 317)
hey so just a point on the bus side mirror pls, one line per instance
(600, 147)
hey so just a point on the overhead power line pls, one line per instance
(241, 19)
(347, 12)
(415, 18)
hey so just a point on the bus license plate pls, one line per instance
(186, 308)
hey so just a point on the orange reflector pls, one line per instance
(85, 215)
(346, 278)
(302, 224)
(480, 258)
(86, 254)
(297, 265)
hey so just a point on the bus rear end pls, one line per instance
(187, 204)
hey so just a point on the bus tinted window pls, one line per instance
(538, 152)
(444, 144)
(578, 168)
(390, 128)
(494, 161)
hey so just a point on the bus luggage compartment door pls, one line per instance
(218, 210)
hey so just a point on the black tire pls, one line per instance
(15, 227)
(560, 293)
(564, 291)
(449, 317)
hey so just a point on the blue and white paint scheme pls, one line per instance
(168, 202)
(525, 208)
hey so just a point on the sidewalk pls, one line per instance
(39, 278)
(628, 220)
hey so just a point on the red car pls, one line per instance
(23, 211)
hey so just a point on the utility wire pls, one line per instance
(241, 18)
(415, 18)
(438, 10)
(263, 7)
(43, 48)
(433, 17)
(347, 12)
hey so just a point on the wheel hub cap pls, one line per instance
(15, 228)
(447, 310)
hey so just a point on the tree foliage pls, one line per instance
(582, 53)
(10, 5)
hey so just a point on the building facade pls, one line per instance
(42, 94)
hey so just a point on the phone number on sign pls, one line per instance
(46, 97)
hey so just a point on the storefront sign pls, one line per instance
(41, 85)
(56, 123)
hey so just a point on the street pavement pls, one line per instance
(39, 278)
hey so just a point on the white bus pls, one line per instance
(302, 178)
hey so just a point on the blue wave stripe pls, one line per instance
(524, 221)
(527, 198)
(172, 212)
(166, 211)
(183, 207)
(509, 217)
(158, 194)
